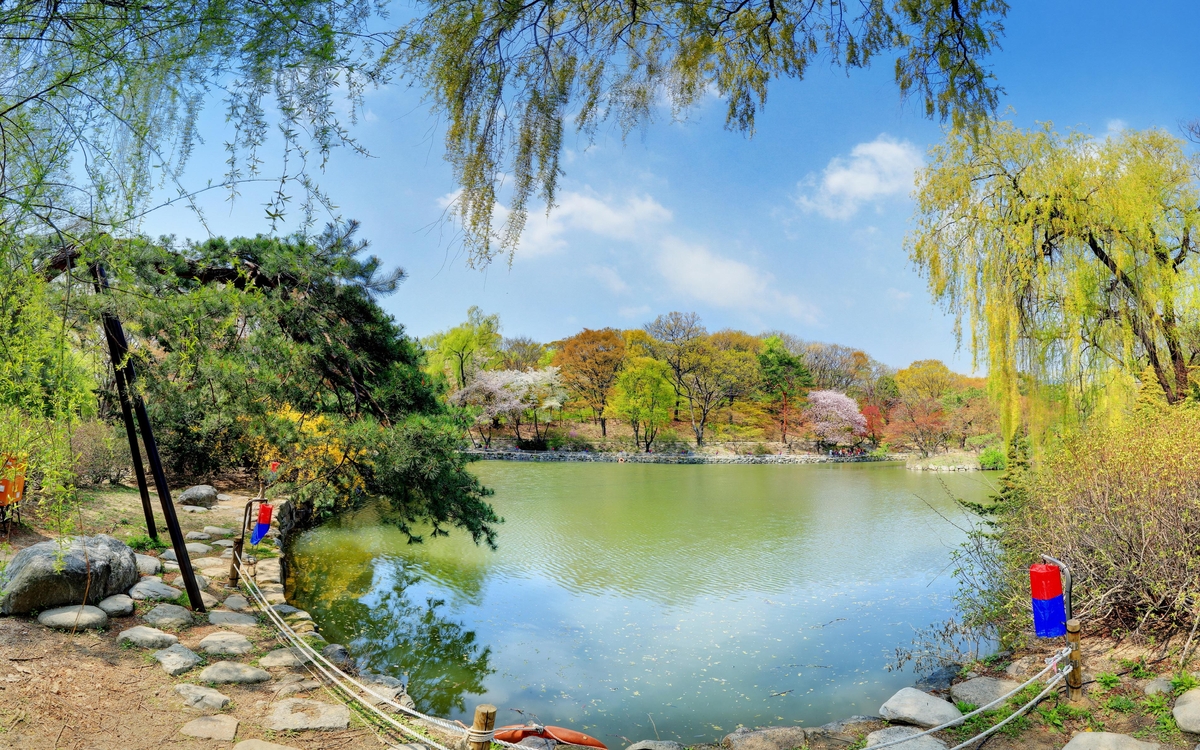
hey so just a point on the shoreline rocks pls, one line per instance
(671, 458)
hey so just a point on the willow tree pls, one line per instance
(1072, 259)
(509, 76)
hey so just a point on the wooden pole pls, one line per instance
(1075, 676)
(485, 722)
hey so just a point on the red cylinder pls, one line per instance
(1045, 581)
(264, 515)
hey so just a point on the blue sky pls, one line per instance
(799, 228)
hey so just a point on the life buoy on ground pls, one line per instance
(516, 732)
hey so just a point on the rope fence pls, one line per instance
(342, 681)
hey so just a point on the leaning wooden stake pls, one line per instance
(1075, 676)
(485, 722)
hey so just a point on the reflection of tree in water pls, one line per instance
(392, 634)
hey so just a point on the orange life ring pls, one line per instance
(516, 732)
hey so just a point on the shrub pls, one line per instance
(101, 453)
(143, 542)
(992, 459)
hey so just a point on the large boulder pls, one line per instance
(911, 706)
(54, 573)
(200, 496)
(1187, 711)
(980, 691)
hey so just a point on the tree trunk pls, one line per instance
(603, 427)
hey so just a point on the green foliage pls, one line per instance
(1108, 680)
(992, 459)
(1137, 668)
(643, 397)
(1121, 704)
(144, 542)
(102, 452)
(784, 379)
(460, 352)
(1183, 682)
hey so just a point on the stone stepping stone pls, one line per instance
(218, 531)
(283, 657)
(911, 706)
(197, 536)
(147, 565)
(224, 672)
(227, 554)
(222, 542)
(220, 727)
(260, 745)
(290, 684)
(298, 714)
(200, 563)
(117, 605)
(209, 600)
(1158, 685)
(981, 690)
(153, 589)
(1107, 741)
(193, 509)
(1187, 711)
(177, 659)
(74, 617)
(171, 567)
(889, 734)
(169, 616)
(283, 610)
(147, 637)
(198, 696)
(224, 643)
(217, 617)
(195, 549)
(215, 574)
(237, 603)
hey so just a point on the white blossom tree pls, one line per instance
(834, 418)
(489, 397)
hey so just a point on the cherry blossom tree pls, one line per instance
(834, 418)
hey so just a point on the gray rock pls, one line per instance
(1158, 685)
(771, 738)
(849, 724)
(1022, 667)
(147, 565)
(911, 706)
(1107, 741)
(193, 509)
(981, 690)
(152, 589)
(209, 600)
(197, 536)
(237, 603)
(260, 745)
(338, 655)
(219, 727)
(301, 713)
(217, 617)
(938, 679)
(117, 605)
(196, 549)
(170, 567)
(170, 556)
(74, 617)
(223, 543)
(200, 496)
(1187, 711)
(147, 637)
(209, 562)
(198, 696)
(888, 734)
(169, 616)
(226, 498)
(301, 685)
(653, 745)
(231, 671)
(283, 610)
(297, 617)
(222, 643)
(218, 531)
(545, 743)
(283, 657)
(177, 659)
(57, 573)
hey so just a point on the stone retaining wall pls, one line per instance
(668, 458)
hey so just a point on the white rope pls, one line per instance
(1062, 673)
(1050, 664)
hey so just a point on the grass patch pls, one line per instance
(1121, 704)
(1108, 680)
(144, 542)
(1183, 682)
(1137, 668)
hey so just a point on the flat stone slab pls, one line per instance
(117, 605)
(283, 610)
(1187, 711)
(982, 690)
(260, 745)
(197, 536)
(911, 706)
(218, 531)
(147, 637)
(1108, 741)
(237, 603)
(209, 600)
(283, 657)
(771, 738)
(147, 565)
(227, 543)
(200, 563)
(204, 698)
(224, 643)
(196, 549)
(74, 617)
(217, 617)
(152, 589)
(169, 616)
(224, 672)
(193, 509)
(220, 727)
(888, 734)
(300, 714)
(1158, 685)
(177, 659)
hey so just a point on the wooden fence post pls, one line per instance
(1075, 676)
(485, 722)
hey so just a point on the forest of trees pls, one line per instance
(673, 377)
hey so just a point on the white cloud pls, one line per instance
(1115, 127)
(609, 278)
(697, 272)
(879, 169)
(633, 312)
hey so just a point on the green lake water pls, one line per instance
(635, 600)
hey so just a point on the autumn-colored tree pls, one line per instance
(731, 340)
(638, 343)
(643, 397)
(876, 423)
(589, 362)
(785, 380)
(921, 424)
(926, 380)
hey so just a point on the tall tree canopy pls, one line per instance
(590, 361)
(1072, 258)
(508, 76)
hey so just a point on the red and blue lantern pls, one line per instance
(1049, 612)
(264, 525)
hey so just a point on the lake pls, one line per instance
(631, 601)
